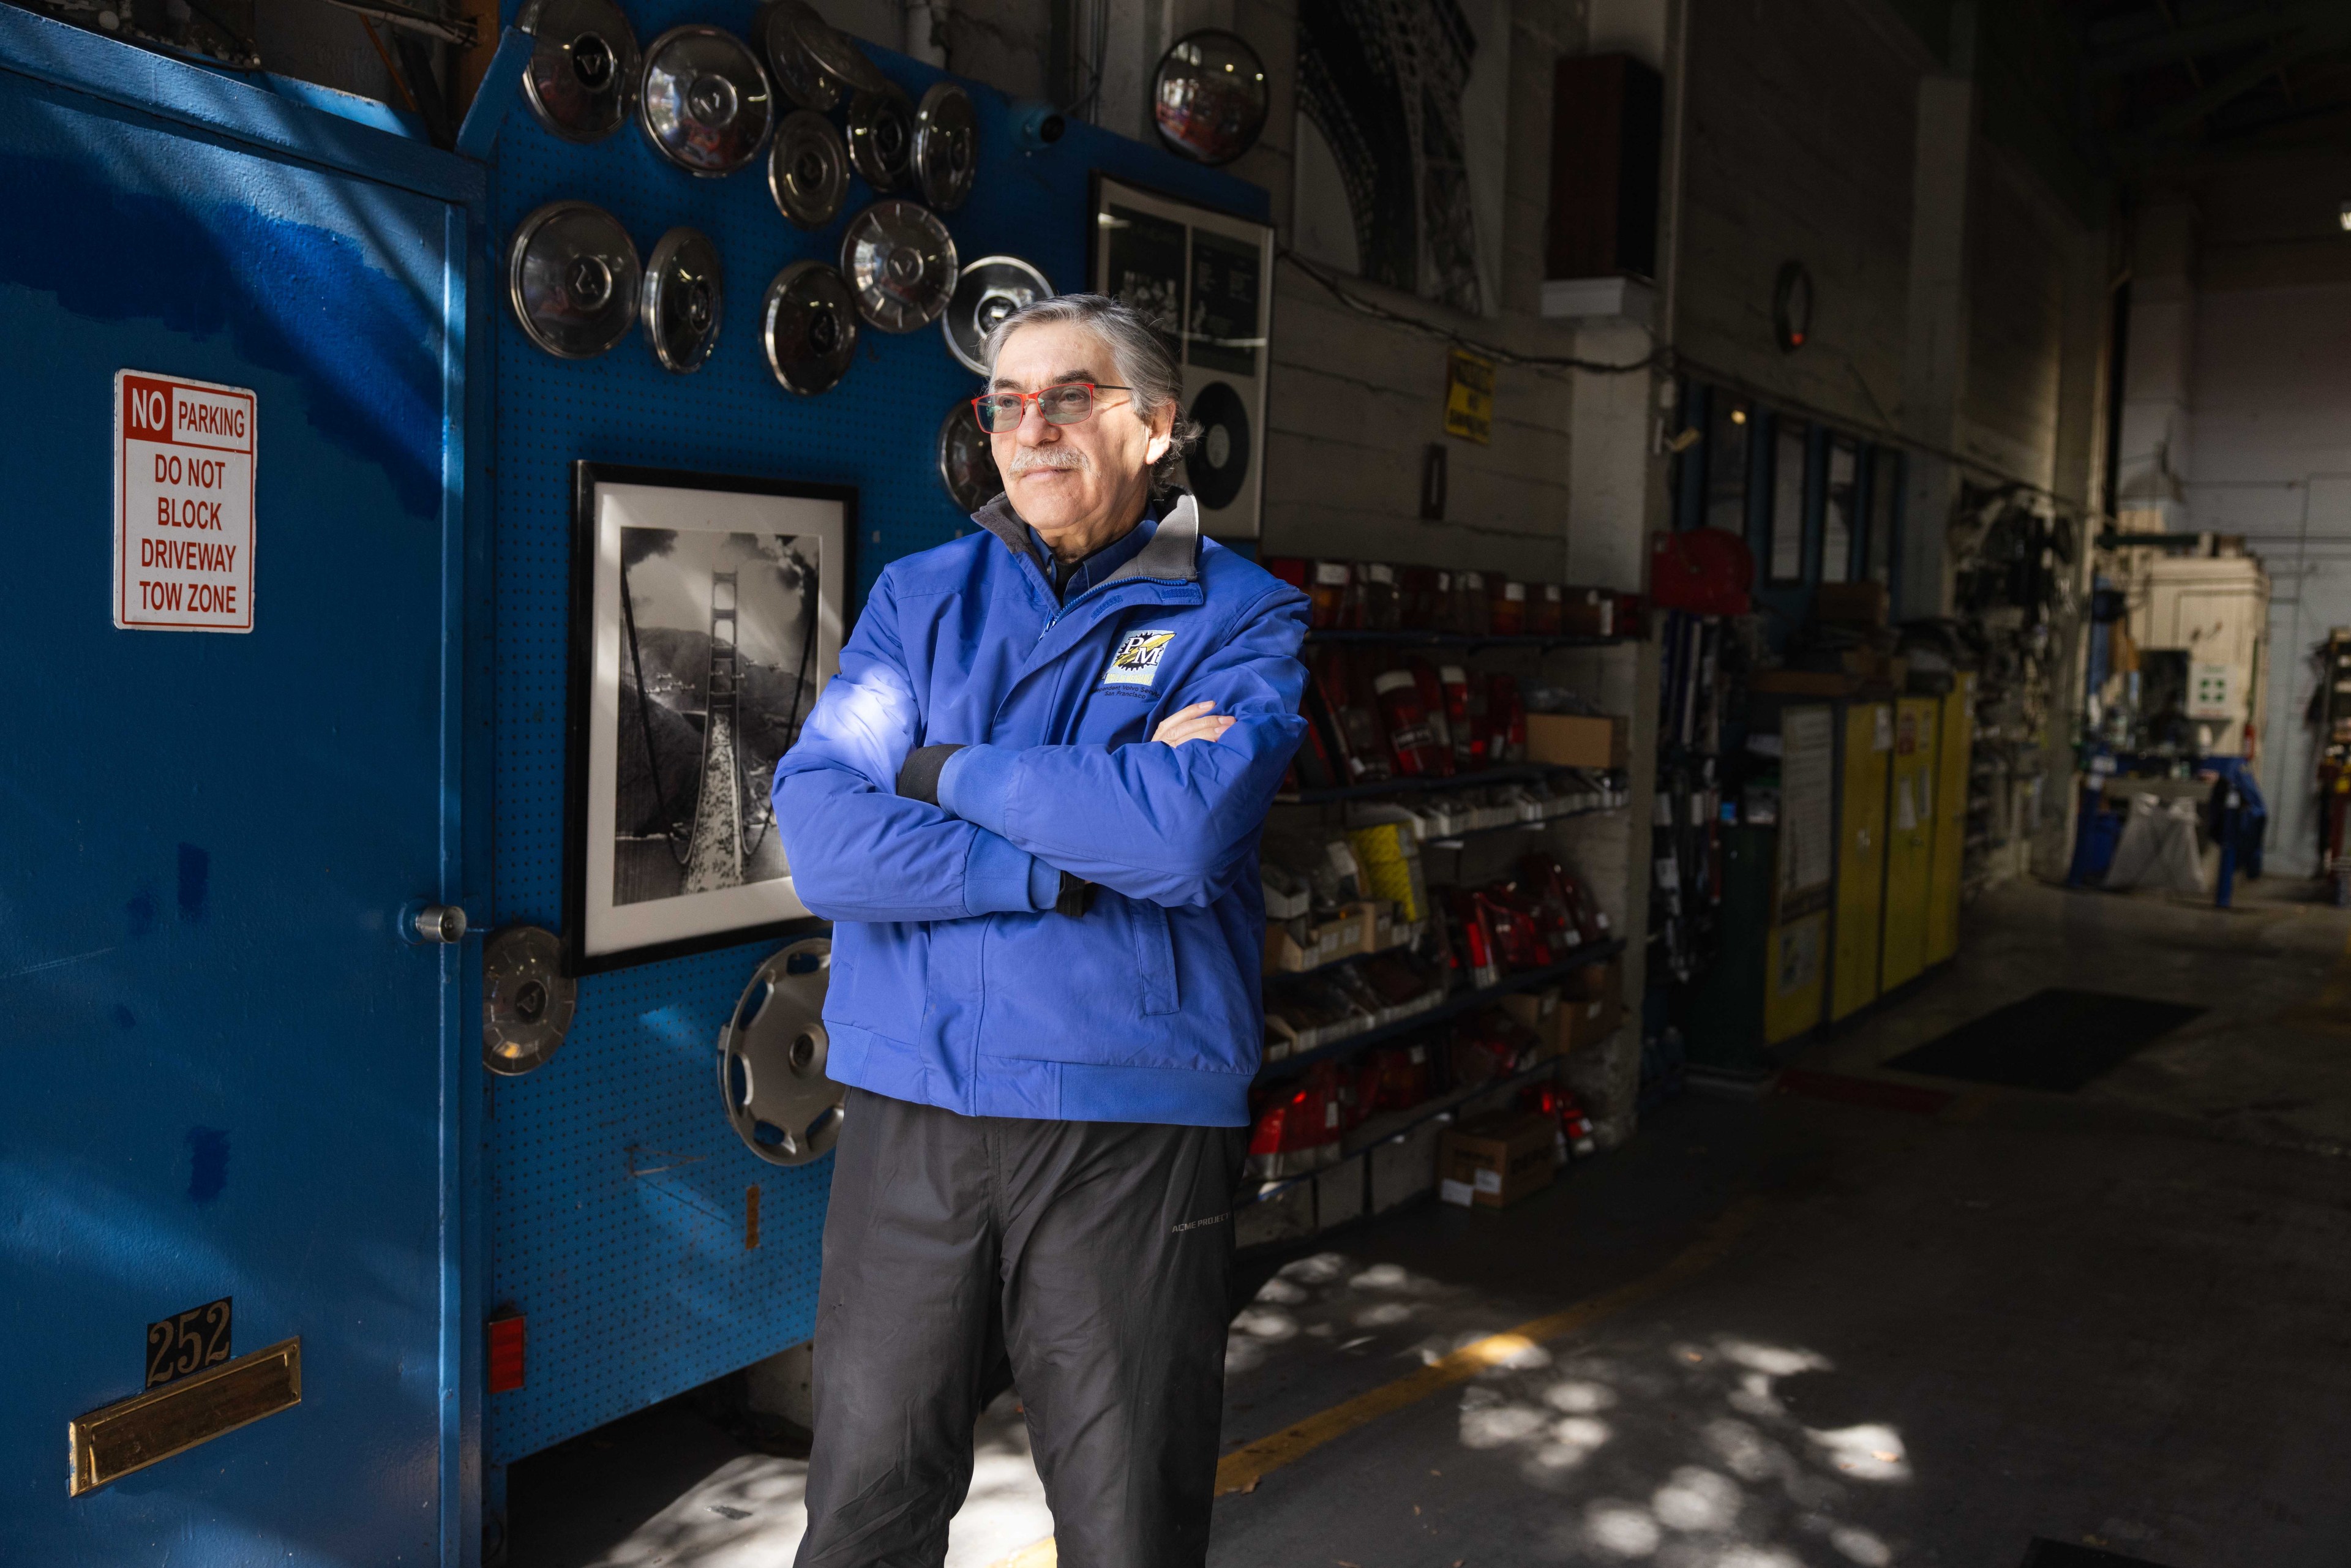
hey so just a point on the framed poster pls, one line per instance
(1205, 278)
(706, 615)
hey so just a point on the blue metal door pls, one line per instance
(226, 1075)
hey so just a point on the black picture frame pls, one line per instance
(1227, 373)
(594, 944)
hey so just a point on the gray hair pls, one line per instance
(1139, 355)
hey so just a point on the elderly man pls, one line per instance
(1031, 802)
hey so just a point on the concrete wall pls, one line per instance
(2268, 409)
(1800, 141)
(2020, 251)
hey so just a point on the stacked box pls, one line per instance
(1401, 1167)
(1339, 1194)
(1285, 1216)
(1495, 1160)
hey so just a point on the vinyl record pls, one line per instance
(572, 278)
(706, 104)
(881, 139)
(815, 63)
(947, 146)
(528, 1000)
(808, 169)
(900, 265)
(1209, 96)
(986, 292)
(584, 69)
(967, 459)
(809, 328)
(1218, 463)
(684, 293)
(771, 1058)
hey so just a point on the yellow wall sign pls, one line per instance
(1469, 397)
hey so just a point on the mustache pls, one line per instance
(1029, 458)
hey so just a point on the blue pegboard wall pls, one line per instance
(617, 1203)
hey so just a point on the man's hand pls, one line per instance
(1198, 722)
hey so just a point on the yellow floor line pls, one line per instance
(1241, 1469)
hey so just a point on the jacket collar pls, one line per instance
(1174, 552)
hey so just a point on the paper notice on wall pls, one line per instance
(1905, 814)
(1807, 799)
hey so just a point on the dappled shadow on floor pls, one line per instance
(1685, 1452)
(668, 1488)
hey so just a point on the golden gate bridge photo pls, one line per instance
(718, 668)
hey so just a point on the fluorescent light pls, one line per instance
(2345, 215)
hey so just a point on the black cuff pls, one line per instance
(1076, 896)
(919, 778)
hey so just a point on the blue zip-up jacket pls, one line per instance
(954, 983)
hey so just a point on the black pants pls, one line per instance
(1095, 1255)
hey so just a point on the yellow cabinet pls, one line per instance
(1865, 748)
(1909, 840)
(1791, 987)
(1954, 750)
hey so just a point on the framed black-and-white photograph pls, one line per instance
(1206, 278)
(706, 614)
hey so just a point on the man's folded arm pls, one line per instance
(1169, 824)
(859, 849)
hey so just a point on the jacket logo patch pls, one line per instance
(1136, 662)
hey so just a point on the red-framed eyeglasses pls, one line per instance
(1072, 403)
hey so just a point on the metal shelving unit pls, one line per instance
(1452, 1007)
(1468, 641)
(1510, 773)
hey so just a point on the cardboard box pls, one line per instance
(1578, 740)
(1803, 682)
(1591, 1005)
(1582, 1009)
(1498, 1159)
(1357, 929)
(1285, 1216)
(1402, 1166)
(1849, 604)
(1587, 613)
(1339, 1194)
(1538, 1012)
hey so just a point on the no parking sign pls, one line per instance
(183, 466)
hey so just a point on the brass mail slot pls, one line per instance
(109, 1443)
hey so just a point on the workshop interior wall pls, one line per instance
(1800, 145)
(2268, 406)
(2018, 265)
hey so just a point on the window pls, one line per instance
(1837, 518)
(1787, 554)
(1731, 421)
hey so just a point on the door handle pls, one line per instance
(431, 925)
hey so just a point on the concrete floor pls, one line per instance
(2117, 1318)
